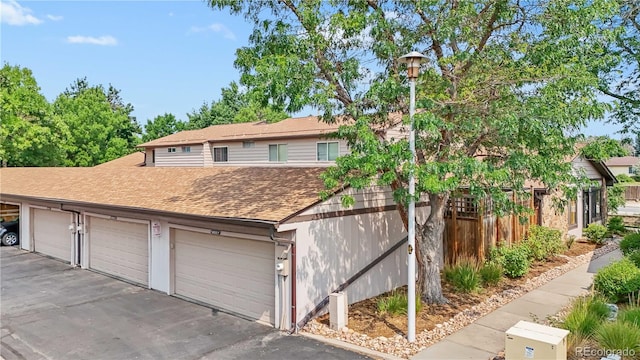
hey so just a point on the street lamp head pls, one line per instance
(413, 61)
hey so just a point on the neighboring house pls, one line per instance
(209, 214)
(623, 165)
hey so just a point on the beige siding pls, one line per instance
(619, 170)
(581, 164)
(330, 251)
(207, 154)
(180, 158)
(397, 132)
(299, 151)
(148, 157)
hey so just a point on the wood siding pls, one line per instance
(581, 164)
(179, 158)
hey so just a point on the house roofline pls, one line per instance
(163, 213)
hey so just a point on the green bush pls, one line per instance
(595, 233)
(515, 261)
(617, 336)
(617, 280)
(396, 304)
(491, 273)
(635, 258)
(623, 178)
(636, 177)
(585, 316)
(630, 243)
(464, 275)
(543, 243)
(616, 225)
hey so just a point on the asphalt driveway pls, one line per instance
(51, 311)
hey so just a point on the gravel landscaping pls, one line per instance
(399, 346)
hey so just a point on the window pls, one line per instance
(186, 149)
(327, 151)
(248, 144)
(573, 213)
(630, 170)
(278, 152)
(220, 154)
(171, 149)
(592, 206)
(153, 155)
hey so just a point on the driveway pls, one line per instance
(51, 311)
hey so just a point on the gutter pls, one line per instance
(225, 220)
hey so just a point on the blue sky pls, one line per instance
(164, 56)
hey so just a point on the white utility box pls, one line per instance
(338, 310)
(526, 340)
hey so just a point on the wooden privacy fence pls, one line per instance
(9, 212)
(471, 228)
(632, 193)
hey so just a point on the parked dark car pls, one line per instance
(9, 232)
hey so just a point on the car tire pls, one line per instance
(10, 239)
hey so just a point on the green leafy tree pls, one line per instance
(623, 85)
(235, 106)
(29, 136)
(100, 123)
(162, 125)
(602, 148)
(636, 147)
(505, 86)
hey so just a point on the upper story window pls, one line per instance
(278, 152)
(220, 154)
(248, 144)
(186, 149)
(327, 151)
(171, 149)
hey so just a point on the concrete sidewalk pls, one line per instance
(485, 338)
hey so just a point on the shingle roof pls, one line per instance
(135, 159)
(257, 193)
(293, 127)
(623, 161)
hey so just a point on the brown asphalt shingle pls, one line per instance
(259, 193)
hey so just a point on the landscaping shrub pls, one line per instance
(464, 275)
(491, 273)
(514, 260)
(624, 178)
(543, 243)
(585, 316)
(618, 279)
(596, 233)
(630, 243)
(616, 225)
(635, 258)
(396, 304)
(630, 315)
(617, 336)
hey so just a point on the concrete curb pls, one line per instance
(351, 347)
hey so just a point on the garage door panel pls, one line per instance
(229, 273)
(119, 248)
(51, 235)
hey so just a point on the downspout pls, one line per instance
(292, 274)
(322, 304)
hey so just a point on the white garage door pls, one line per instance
(229, 273)
(51, 234)
(119, 248)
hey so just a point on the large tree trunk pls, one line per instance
(429, 240)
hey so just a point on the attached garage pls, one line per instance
(119, 248)
(51, 234)
(232, 274)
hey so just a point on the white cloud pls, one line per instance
(217, 28)
(13, 13)
(54, 17)
(102, 40)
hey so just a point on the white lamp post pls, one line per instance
(413, 61)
